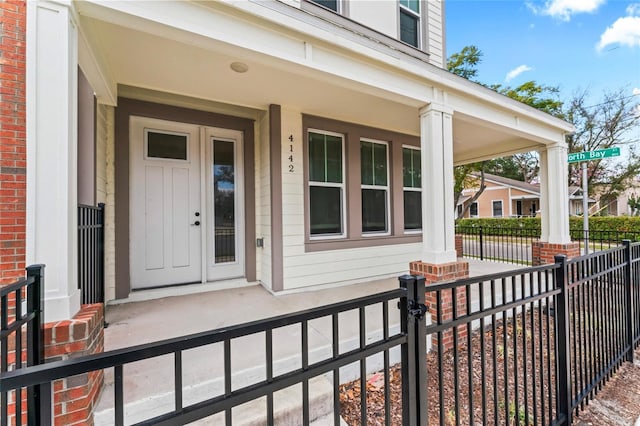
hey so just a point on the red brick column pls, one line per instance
(459, 247)
(74, 398)
(13, 152)
(543, 253)
(439, 273)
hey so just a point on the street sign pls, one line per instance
(598, 154)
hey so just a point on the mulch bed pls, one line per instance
(529, 396)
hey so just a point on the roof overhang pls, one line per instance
(297, 60)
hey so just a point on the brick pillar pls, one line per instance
(542, 253)
(435, 273)
(13, 152)
(459, 247)
(74, 398)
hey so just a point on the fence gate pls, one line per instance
(91, 253)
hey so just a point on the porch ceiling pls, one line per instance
(202, 70)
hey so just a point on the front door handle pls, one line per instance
(196, 223)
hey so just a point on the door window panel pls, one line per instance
(224, 193)
(166, 145)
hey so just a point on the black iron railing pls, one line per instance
(91, 253)
(500, 244)
(22, 345)
(513, 244)
(530, 346)
(272, 383)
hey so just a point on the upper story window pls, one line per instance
(326, 184)
(410, 22)
(329, 4)
(374, 171)
(412, 188)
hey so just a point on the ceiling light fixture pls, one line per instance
(239, 67)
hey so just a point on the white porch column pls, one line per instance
(438, 226)
(554, 202)
(52, 153)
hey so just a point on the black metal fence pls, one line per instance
(272, 383)
(22, 345)
(530, 346)
(513, 244)
(91, 253)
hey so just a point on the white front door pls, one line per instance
(186, 210)
(165, 203)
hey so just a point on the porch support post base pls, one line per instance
(543, 253)
(436, 273)
(74, 398)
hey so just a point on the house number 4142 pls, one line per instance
(291, 165)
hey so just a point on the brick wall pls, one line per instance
(440, 273)
(543, 253)
(13, 136)
(75, 397)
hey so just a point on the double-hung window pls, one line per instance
(410, 22)
(374, 170)
(497, 208)
(326, 184)
(473, 209)
(412, 188)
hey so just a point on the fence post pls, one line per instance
(38, 402)
(419, 314)
(481, 245)
(407, 351)
(628, 298)
(562, 338)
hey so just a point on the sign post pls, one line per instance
(583, 157)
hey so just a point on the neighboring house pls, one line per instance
(502, 197)
(618, 204)
(575, 202)
(290, 143)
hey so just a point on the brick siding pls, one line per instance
(13, 155)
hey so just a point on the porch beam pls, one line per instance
(52, 40)
(436, 143)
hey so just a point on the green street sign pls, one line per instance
(598, 154)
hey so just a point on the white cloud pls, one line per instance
(636, 91)
(564, 9)
(625, 31)
(633, 9)
(516, 72)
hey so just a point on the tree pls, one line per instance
(520, 166)
(604, 125)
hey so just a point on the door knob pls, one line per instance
(197, 214)
(196, 223)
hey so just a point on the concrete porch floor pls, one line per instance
(148, 385)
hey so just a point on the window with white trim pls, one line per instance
(374, 172)
(329, 4)
(497, 208)
(412, 188)
(473, 209)
(326, 184)
(410, 22)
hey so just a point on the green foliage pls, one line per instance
(544, 98)
(634, 204)
(465, 63)
(615, 227)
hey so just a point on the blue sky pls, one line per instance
(571, 44)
